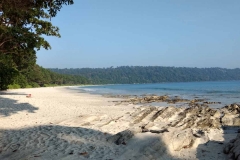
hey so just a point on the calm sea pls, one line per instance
(226, 92)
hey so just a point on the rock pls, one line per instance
(231, 120)
(124, 136)
(232, 108)
(227, 148)
(206, 102)
(217, 114)
(169, 112)
(233, 148)
(231, 115)
(143, 114)
(236, 121)
(178, 123)
(157, 114)
(208, 123)
(182, 139)
(198, 117)
(158, 131)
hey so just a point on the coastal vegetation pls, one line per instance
(151, 74)
(23, 23)
(38, 76)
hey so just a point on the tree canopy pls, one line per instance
(151, 74)
(37, 76)
(22, 26)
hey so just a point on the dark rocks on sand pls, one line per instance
(184, 126)
(233, 148)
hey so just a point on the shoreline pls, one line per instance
(45, 101)
(222, 94)
(60, 123)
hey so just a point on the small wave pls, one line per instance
(88, 89)
(229, 92)
(169, 89)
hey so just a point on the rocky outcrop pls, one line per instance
(233, 148)
(145, 99)
(231, 118)
(183, 127)
(231, 115)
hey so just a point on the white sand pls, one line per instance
(51, 106)
(58, 123)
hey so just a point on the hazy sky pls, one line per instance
(181, 33)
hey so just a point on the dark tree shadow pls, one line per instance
(61, 142)
(10, 106)
(11, 93)
(229, 133)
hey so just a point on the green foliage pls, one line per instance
(23, 22)
(21, 80)
(151, 74)
(50, 85)
(22, 26)
(14, 86)
(7, 72)
(34, 84)
(28, 86)
(44, 77)
(40, 77)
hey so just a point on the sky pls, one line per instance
(180, 33)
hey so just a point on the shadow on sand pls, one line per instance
(10, 106)
(11, 92)
(207, 150)
(60, 142)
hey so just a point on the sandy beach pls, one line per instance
(60, 123)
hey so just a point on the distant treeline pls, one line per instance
(37, 76)
(151, 74)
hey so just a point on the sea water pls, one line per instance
(226, 92)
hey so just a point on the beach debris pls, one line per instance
(83, 153)
(37, 156)
(29, 96)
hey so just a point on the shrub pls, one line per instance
(34, 85)
(21, 80)
(28, 86)
(50, 85)
(14, 86)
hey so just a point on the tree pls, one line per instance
(7, 71)
(22, 25)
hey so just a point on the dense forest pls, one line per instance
(151, 74)
(37, 76)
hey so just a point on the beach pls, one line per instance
(61, 123)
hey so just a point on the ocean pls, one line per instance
(226, 92)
